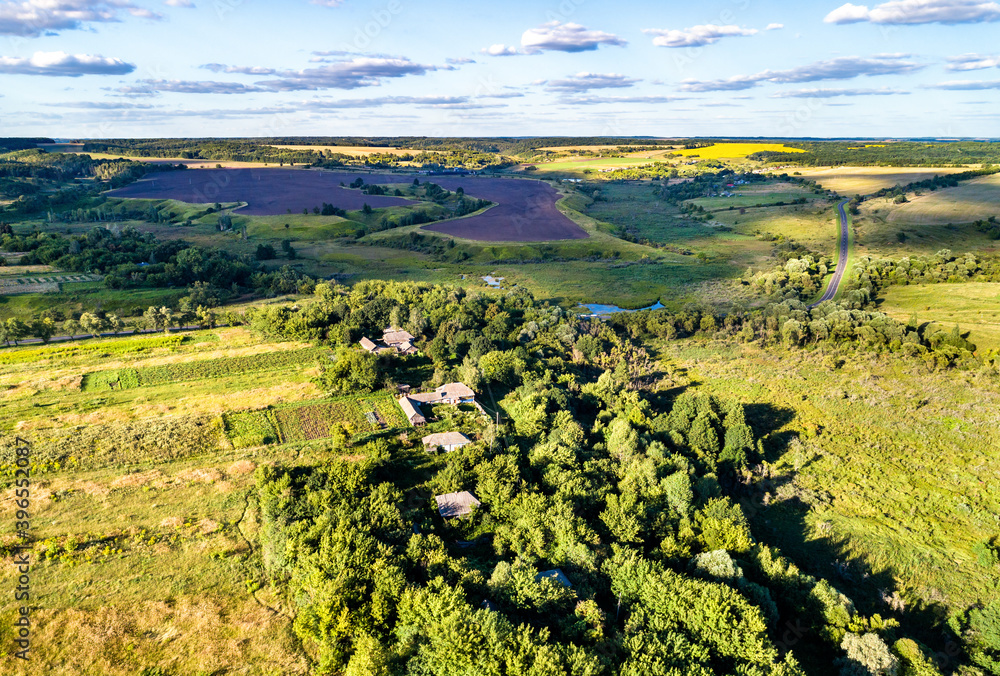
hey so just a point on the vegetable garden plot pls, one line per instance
(207, 368)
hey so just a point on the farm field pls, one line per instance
(720, 151)
(525, 209)
(849, 181)
(580, 165)
(973, 306)
(138, 492)
(969, 201)
(882, 234)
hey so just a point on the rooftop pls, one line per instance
(456, 504)
(445, 439)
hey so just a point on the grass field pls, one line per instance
(580, 165)
(721, 151)
(881, 234)
(849, 181)
(974, 306)
(969, 201)
(141, 510)
(881, 473)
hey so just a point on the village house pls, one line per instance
(556, 575)
(453, 505)
(452, 393)
(394, 340)
(412, 411)
(446, 441)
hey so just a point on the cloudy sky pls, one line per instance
(113, 68)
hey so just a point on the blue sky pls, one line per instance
(126, 68)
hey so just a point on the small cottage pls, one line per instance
(453, 505)
(447, 441)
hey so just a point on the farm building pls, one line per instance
(451, 505)
(452, 393)
(395, 341)
(446, 441)
(555, 575)
(412, 411)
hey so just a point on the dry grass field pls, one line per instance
(866, 180)
(359, 151)
(970, 201)
(974, 306)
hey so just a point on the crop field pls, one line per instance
(969, 201)
(198, 370)
(266, 191)
(849, 181)
(105, 348)
(720, 151)
(309, 421)
(575, 165)
(973, 306)
(41, 283)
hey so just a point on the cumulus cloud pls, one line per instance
(774, 26)
(32, 18)
(918, 12)
(460, 61)
(833, 93)
(348, 74)
(243, 70)
(328, 3)
(100, 105)
(842, 68)
(696, 36)
(972, 62)
(566, 37)
(151, 87)
(967, 85)
(582, 82)
(61, 64)
(500, 50)
(180, 3)
(595, 100)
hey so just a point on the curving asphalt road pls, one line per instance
(834, 286)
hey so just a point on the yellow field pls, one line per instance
(970, 201)
(735, 150)
(974, 306)
(866, 180)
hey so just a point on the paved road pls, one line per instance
(834, 286)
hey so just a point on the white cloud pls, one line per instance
(243, 70)
(774, 26)
(566, 37)
(500, 50)
(180, 3)
(459, 61)
(842, 68)
(918, 12)
(972, 62)
(61, 64)
(32, 18)
(966, 85)
(696, 36)
(848, 14)
(151, 87)
(349, 74)
(833, 93)
(596, 100)
(582, 82)
(328, 3)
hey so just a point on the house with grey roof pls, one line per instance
(556, 575)
(412, 411)
(453, 505)
(446, 441)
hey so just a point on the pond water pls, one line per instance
(596, 309)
